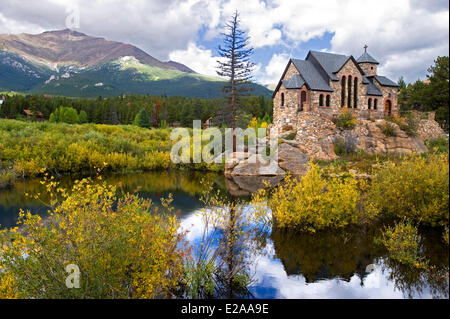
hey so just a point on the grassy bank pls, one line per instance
(27, 148)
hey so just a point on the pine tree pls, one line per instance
(236, 66)
(142, 119)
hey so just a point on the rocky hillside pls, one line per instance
(66, 47)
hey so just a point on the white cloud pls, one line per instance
(396, 31)
(404, 35)
(271, 74)
(197, 58)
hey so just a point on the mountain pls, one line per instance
(71, 63)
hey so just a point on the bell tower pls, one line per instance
(368, 63)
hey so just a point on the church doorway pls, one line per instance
(388, 107)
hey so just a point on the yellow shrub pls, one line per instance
(417, 189)
(314, 203)
(123, 248)
(402, 243)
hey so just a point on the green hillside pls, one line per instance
(17, 74)
(123, 76)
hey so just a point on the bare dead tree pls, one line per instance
(236, 65)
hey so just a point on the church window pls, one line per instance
(328, 100)
(343, 91)
(355, 93)
(375, 102)
(349, 103)
(321, 100)
(370, 103)
(282, 99)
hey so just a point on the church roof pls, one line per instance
(312, 76)
(367, 58)
(319, 68)
(330, 62)
(384, 81)
(295, 82)
(372, 88)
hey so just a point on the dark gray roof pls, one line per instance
(314, 80)
(372, 89)
(295, 82)
(330, 62)
(366, 58)
(365, 80)
(384, 81)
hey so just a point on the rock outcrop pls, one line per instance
(316, 137)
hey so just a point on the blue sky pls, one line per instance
(405, 36)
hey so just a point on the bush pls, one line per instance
(408, 124)
(28, 147)
(7, 177)
(344, 146)
(417, 190)
(387, 129)
(65, 115)
(438, 145)
(402, 242)
(142, 119)
(83, 117)
(345, 121)
(123, 248)
(313, 202)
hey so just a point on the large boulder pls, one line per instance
(292, 160)
(256, 165)
(246, 185)
(369, 137)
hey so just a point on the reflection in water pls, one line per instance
(283, 264)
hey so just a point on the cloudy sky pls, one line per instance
(405, 36)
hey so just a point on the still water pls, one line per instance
(335, 264)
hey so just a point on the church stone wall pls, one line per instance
(289, 114)
(369, 69)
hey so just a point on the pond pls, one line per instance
(333, 264)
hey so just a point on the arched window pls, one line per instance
(349, 103)
(328, 100)
(375, 102)
(343, 91)
(321, 100)
(355, 93)
(370, 103)
(282, 99)
(302, 100)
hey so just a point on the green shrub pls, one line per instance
(65, 115)
(29, 147)
(408, 124)
(142, 119)
(346, 120)
(402, 242)
(7, 177)
(344, 146)
(417, 189)
(438, 145)
(387, 129)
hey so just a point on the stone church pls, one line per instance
(328, 83)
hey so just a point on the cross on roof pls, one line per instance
(365, 47)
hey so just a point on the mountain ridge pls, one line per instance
(68, 47)
(71, 63)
